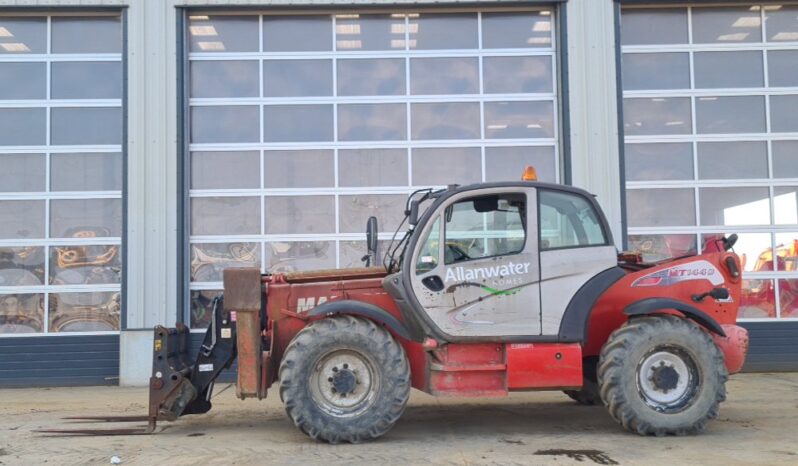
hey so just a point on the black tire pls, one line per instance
(683, 381)
(588, 395)
(344, 379)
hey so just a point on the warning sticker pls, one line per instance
(206, 367)
(227, 333)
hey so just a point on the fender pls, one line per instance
(653, 305)
(573, 327)
(359, 308)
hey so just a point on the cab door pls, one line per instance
(476, 270)
(574, 247)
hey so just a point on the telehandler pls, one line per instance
(494, 288)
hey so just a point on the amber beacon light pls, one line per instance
(530, 174)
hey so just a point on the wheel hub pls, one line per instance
(667, 379)
(344, 383)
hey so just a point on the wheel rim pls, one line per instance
(344, 383)
(667, 379)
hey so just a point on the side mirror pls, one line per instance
(412, 217)
(371, 241)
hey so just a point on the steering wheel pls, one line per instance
(458, 252)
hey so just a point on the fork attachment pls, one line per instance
(180, 386)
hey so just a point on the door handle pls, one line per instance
(433, 282)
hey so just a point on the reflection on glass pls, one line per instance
(297, 78)
(85, 312)
(86, 172)
(754, 249)
(71, 126)
(658, 161)
(224, 123)
(785, 159)
(456, 120)
(297, 123)
(292, 256)
(459, 75)
(445, 166)
(517, 29)
(225, 170)
(22, 172)
(223, 33)
(782, 24)
(728, 69)
(22, 219)
(227, 78)
(23, 126)
(658, 115)
(372, 122)
(371, 76)
(25, 35)
(508, 163)
(730, 160)
(22, 80)
(225, 216)
(730, 115)
(787, 251)
(788, 295)
(372, 167)
(785, 204)
(85, 265)
(784, 113)
(726, 25)
(734, 206)
(86, 80)
(82, 34)
(354, 211)
(758, 299)
(208, 260)
(511, 75)
(21, 313)
(644, 71)
(352, 252)
(783, 67)
(300, 214)
(649, 26)
(202, 307)
(297, 33)
(21, 266)
(654, 207)
(655, 248)
(369, 32)
(290, 168)
(519, 120)
(443, 31)
(85, 218)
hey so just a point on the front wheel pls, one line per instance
(344, 379)
(662, 375)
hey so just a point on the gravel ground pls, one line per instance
(757, 425)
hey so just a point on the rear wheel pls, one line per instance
(344, 379)
(662, 375)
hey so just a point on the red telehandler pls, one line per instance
(494, 288)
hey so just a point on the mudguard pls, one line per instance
(654, 305)
(367, 310)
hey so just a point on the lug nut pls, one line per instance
(346, 366)
(329, 379)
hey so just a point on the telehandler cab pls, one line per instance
(494, 288)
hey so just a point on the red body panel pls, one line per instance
(485, 369)
(544, 366)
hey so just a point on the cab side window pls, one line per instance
(568, 220)
(485, 226)
(428, 254)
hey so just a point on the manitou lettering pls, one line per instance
(461, 274)
(306, 304)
